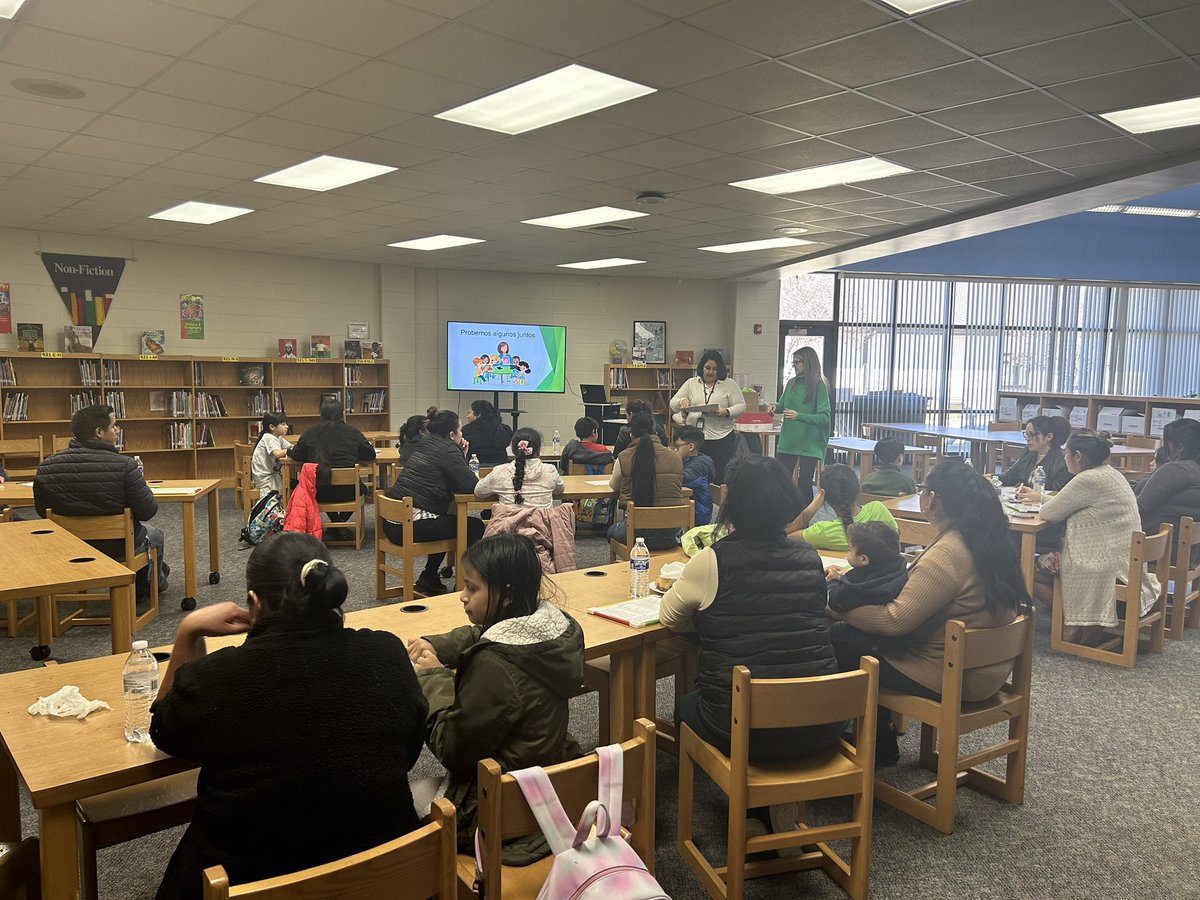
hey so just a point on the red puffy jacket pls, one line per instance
(302, 511)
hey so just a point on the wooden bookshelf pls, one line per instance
(656, 384)
(1088, 409)
(183, 414)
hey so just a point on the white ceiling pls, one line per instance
(992, 101)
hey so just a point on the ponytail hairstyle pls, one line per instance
(269, 421)
(1093, 446)
(508, 564)
(840, 485)
(292, 574)
(643, 427)
(443, 423)
(412, 428)
(526, 445)
(486, 414)
(970, 505)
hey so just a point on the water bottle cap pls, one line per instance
(141, 645)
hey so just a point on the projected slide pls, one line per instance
(482, 356)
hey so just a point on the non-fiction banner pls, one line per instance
(87, 285)
(191, 317)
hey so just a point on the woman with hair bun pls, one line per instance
(1101, 515)
(305, 733)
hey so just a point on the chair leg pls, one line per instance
(687, 773)
(947, 780)
(88, 882)
(1193, 612)
(380, 575)
(929, 754)
(735, 864)
(409, 590)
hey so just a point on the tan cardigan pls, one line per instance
(943, 584)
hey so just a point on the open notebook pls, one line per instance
(637, 613)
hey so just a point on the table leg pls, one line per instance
(214, 536)
(10, 801)
(189, 551)
(60, 869)
(622, 698)
(45, 622)
(866, 464)
(646, 685)
(1028, 545)
(460, 544)
(122, 599)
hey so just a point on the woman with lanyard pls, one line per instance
(712, 387)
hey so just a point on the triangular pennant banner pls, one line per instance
(87, 285)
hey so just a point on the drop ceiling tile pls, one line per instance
(1105, 172)
(256, 51)
(901, 134)
(331, 111)
(525, 153)
(876, 205)
(595, 168)
(764, 204)
(1112, 150)
(78, 179)
(803, 154)
(760, 87)
(665, 112)
(68, 54)
(712, 195)
(21, 155)
(1181, 28)
(1174, 140)
(43, 114)
(950, 86)
(588, 134)
(778, 27)
(296, 135)
(163, 110)
(73, 162)
(159, 28)
(854, 223)
(989, 26)
(228, 9)
(838, 112)
(268, 156)
(914, 215)
(1025, 185)
(725, 169)
(400, 88)
(841, 193)
(535, 182)
(906, 184)
(236, 169)
(86, 145)
(570, 27)
(365, 27)
(677, 9)
(474, 57)
(211, 84)
(468, 168)
(148, 133)
(879, 55)
(1063, 133)
(1013, 111)
(1084, 55)
(742, 133)
(992, 168)
(158, 176)
(386, 153)
(1150, 7)
(1150, 84)
(672, 55)
(946, 196)
(98, 95)
(662, 182)
(438, 134)
(663, 153)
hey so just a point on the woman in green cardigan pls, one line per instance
(806, 419)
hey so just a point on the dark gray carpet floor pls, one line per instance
(1112, 803)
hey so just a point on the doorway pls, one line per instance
(821, 336)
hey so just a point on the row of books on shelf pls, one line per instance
(183, 436)
(91, 373)
(81, 399)
(373, 402)
(262, 402)
(210, 405)
(8, 376)
(618, 380)
(178, 403)
(16, 407)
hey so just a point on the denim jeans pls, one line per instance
(656, 538)
(153, 538)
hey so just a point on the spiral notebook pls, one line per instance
(636, 613)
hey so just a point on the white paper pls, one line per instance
(172, 490)
(1008, 409)
(66, 701)
(599, 483)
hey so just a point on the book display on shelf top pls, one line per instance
(183, 414)
(1120, 415)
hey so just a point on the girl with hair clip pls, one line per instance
(271, 447)
(515, 666)
(289, 776)
(839, 492)
(526, 481)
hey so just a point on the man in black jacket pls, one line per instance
(90, 478)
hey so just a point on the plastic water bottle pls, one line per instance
(1039, 485)
(141, 468)
(639, 569)
(139, 678)
(473, 462)
(556, 443)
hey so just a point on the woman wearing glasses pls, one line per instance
(1044, 437)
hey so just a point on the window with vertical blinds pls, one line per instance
(938, 350)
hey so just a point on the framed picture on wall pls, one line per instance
(652, 337)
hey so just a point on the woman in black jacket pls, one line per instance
(332, 444)
(434, 471)
(1044, 436)
(487, 437)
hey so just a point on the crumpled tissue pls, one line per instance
(672, 570)
(66, 701)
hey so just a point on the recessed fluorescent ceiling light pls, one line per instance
(602, 263)
(822, 176)
(1149, 211)
(747, 246)
(912, 7)
(581, 218)
(325, 173)
(1160, 116)
(8, 8)
(436, 242)
(200, 213)
(563, 94)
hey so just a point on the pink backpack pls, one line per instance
(586, 866)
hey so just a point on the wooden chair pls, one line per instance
(1154, 550)
(357, 507)
(838, 772)
(400, 512)
(118, 527)
(675, 657)
(639, 518)
(945, 721)
(242, 485)
(106, 820)
(25, 449)
(19, 868)
(995, 457)
(864, 497)
(504, 814)
(60, 443)
(718, 494)
(1185, 580)
(418, 866)
(915, 532)
(1138, 466)
(1009, 454)
(574, 468)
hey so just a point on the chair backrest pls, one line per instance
(60, 443)
(864, 497)
(116, 527)
(345, 476)
(1003, 426)
(574, 468)
(24, 448)
(683, 516)
(1189, 536)
(420, 865)
(974, 648)
(1142, 442)
(1153, 550)
(398, 512)
(916, 531)
(718, 494)
(1010, 453)
(504, 812)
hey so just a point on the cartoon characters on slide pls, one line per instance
(499, 366)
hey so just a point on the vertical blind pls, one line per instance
(939, 350)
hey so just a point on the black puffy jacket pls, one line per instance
(90, 478)
(489, 440)
(336, 444)
(768, 615)
(434, 472)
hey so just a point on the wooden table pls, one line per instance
(575, 487)
(63, 760)
(863, 451)
(909, 507)
(381, 438)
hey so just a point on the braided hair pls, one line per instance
(526, 445)
(840, 485)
